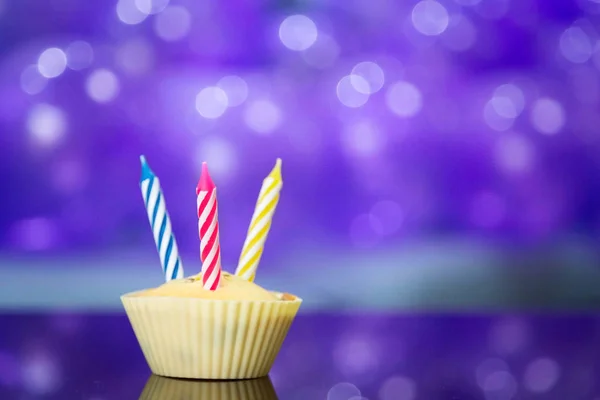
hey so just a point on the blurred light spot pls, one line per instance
(547, 116)
(69, 177)
(487, 368)
(135, 56)
(46, 124)
(430, 17)
(492, 9)
(370, 73)
(220, 157)
(461, 33)
(500, 385)
(173, 23)
(343, 391)
(508, 336)
(151, 6)
(35, 234)
(398, 388)
(347, 93)
(80, 55)
(514, 153)
(355, 356)
(575, 45)
(404, 99)
(508, 101)
(323, 53)
(365, 231)
(32, 82)
(487, 210)
(41, 375)
(102, 85)
(298, 32)
(541, 375)
(389, 217)
(128, 13)
(493, 119)
(212, 102)
(363, 138)
(236, 89)
(52, 62)
(262, 116)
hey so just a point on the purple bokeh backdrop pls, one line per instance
(394, 120)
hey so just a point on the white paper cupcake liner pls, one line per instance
(160, 388)
(209, 339)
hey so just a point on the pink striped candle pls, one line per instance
(208, 227)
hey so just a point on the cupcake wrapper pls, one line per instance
(159, 388)
(209, 339)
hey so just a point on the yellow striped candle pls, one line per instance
(260, 224)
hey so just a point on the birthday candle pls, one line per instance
(160, 223)
(208, 228)
(260, 224)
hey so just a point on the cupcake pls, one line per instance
(213, 325)
(234, 332)
(159, 388)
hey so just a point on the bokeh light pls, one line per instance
(508, 101)
(541, 375)
(135, 56)
(323, 53)
(262, 116)
(363, 138)
(151, 6)
(575, 45)
(547, 116)
(46, 124)
(368, 72)
(129, 13)
(212, 102)
(343, 391)
(235, 88)
(80, 55)
(173, 23)
(398, 388)
(404, 99)
(102, 85)
(298, 32)
(514, 153)
(349, 95)
(461, 33)
(52, 62)
(35, 234)
(32, 81)
(220, 155)
(41, 374)
(430, 17)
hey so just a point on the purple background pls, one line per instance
(411, 133)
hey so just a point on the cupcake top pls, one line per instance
(232, 287)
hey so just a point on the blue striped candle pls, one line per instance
(160, 223)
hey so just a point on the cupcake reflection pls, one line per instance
(160, 388)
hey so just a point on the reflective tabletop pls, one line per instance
(325, 356)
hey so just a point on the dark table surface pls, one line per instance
(325, 356)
